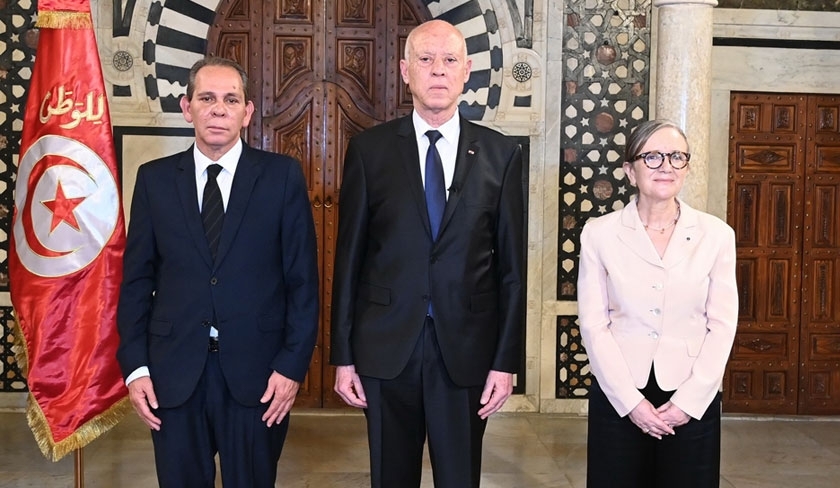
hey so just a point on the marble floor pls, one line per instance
(327, 449)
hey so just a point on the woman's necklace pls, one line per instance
(673, 223)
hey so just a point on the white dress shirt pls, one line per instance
(447, 145)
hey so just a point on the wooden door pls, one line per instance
(819, 347)
(320, 72)
(784, 204)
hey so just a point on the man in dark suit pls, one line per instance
(428, 293)
(218, 310)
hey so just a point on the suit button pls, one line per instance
(654, 335)
(214, 280)
(656, 311)
(205, 323)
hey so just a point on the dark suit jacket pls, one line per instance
(263, 287)
(387, 266)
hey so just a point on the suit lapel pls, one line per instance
(464, 161)
(632, 233)
(407, 144)
(248, 170)
(686, 237)
(684, 240)
(185, 183)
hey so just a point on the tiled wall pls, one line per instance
(606, 68)
(17, 43)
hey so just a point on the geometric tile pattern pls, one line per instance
(605, 94)
(19, 38)
(10, 377)
(17, 56)
(573, 378)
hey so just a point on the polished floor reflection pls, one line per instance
(329, 450)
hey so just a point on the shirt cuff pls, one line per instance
(140, 372)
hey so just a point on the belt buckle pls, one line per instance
(213, 345)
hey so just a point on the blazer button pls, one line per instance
(214, 280)
(654, 335)
(205, 323)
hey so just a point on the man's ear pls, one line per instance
(249, 111)
(404, 70)
(185, 108)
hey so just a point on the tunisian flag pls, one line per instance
(68, 237)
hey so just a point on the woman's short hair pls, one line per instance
(640, 135)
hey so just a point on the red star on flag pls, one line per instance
(62, 209)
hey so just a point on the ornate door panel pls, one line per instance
(321, 71)
(765, 209)
(784, 204)
(819, 375)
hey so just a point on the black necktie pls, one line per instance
(212, 209)
(435, 186)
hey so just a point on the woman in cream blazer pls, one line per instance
(658, 308)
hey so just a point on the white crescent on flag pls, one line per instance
(69, 217)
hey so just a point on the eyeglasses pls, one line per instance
(654, 159)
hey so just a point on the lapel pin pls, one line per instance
(470, 152)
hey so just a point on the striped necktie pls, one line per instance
(212, 209)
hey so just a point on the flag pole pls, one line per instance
(79, 458)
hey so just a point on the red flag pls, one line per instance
(68, 237)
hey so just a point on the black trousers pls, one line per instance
(619, 455)
(211, 422)
(423, 401)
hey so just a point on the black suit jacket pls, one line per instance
(262, 289)
(387, 267)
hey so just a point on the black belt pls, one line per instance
(213, 345)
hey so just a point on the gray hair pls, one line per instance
(216, 61)
(640, 135)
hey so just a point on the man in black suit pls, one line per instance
(428, 293)
(218, 310)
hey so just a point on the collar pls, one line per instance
(450, 130)
(228, 161)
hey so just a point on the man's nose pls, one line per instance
(219, 109)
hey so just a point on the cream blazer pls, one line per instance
(677, 313)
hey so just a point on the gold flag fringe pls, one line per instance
(64, 20)
(84, 435)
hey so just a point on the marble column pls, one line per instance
(683, 82)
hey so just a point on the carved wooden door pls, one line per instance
(320, 71)
(784, 202)
(819, 345)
